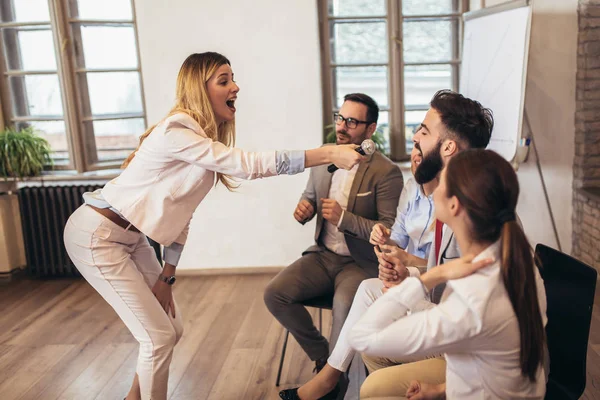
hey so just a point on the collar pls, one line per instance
(492, 251)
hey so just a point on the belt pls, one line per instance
(114, 217)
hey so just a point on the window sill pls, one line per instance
(66, 177)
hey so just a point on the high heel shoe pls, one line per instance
(292, 394)
(289, 394)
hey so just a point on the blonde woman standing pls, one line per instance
(176, 164)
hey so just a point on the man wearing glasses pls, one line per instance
(347, 205)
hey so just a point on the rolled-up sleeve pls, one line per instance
(289, 162)
(172, 253)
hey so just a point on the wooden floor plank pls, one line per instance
(65, 372)
(61, 340)
(30, 368)
(99, 372)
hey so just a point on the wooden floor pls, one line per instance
(60, 340)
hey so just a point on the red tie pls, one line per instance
(438, 239)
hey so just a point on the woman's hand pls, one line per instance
(345, 156)
(464, 266)
(164, 294)
(454, 269)
(392, 270)
(426, 391)
(379, 234)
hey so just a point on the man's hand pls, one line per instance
(304, 211)
(332, 211)
(379, 234)
(392, 270)
(396, 252)
(426, 391)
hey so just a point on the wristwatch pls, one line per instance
(169, 280)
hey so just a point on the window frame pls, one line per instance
(77, 116)
(395, 65)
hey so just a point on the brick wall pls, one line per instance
(586, 164)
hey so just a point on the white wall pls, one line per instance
(550, 105)
(273, 46)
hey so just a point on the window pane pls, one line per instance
(26, 11)
(359, 42)
(37, 95)
(369, 80)
(412, 120)
(383, 126)
(114, 92)
(426, 41)
(116, 139)
(428, 7)
(421, 82)
(109, 47)
(55, 133)
(105, 9)
(33, 49)
(340, 8)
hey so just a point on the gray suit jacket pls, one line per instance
(373, 198)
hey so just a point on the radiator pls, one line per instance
(44, 213)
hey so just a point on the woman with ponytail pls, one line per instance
(164, 180)
(490, 322)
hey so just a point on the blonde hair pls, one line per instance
(192, 99)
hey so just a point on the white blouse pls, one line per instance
(174, 169)
(474, 325)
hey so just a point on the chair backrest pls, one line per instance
(570, 287)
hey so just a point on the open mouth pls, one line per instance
(231, 104)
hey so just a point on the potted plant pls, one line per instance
(23, 153)
(377, 137)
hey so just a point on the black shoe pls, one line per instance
(289, 394)
(292, 394)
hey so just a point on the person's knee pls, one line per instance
(272, 295)
(384, 383)
(164, 340)
(371, 288)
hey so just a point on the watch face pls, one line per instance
(171, 280)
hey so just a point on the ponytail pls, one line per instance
(518, 275)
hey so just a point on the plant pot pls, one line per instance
(9, 185)
(12, 249)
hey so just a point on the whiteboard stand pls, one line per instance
(539, 168)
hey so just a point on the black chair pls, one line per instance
(570, 286)
(323, 302)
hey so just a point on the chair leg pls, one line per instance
(287, 335)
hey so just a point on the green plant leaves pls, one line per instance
(23, 153)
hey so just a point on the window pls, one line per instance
(71, 71)
(400, 52)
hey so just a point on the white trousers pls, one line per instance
(368, 291)
(122, 267)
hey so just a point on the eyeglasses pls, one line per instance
(351, 123)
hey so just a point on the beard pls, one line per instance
(430, 166)
(347, 139)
